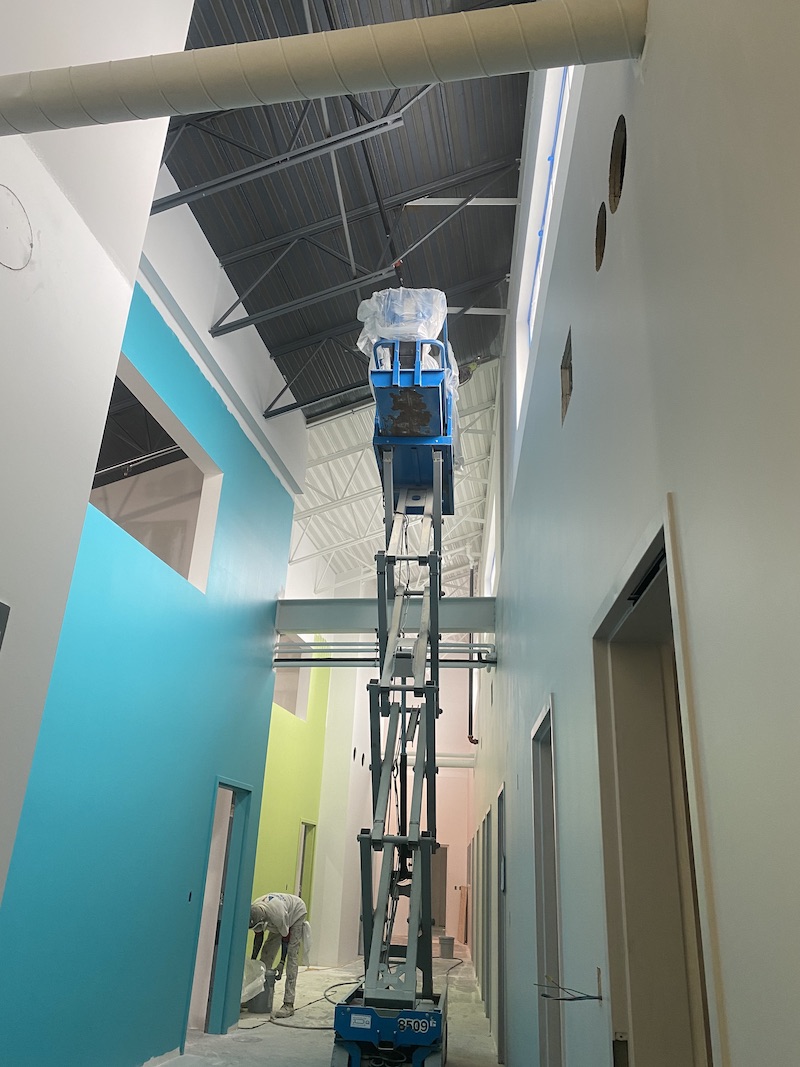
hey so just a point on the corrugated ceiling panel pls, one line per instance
(446, 131)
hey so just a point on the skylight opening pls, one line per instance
(558, 85)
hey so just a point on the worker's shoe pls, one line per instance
(285, 1011)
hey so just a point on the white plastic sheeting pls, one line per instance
(408, 315)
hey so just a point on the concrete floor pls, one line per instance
(286, 1043)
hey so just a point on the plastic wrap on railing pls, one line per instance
(401, 315)
(408, 315)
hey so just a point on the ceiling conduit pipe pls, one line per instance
(391, 55)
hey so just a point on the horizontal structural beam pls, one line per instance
(274, 165)
(357, 615)
(298, 343)
(451, 201)
(333, 222)
(391, 55)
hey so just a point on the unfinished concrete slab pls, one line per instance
(306, 1039)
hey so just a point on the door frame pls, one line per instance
(662, 532)
(227, 968)
(545, 723)
(502, 947)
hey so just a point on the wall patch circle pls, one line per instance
(16, 235)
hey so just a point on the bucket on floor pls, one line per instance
(446, 947)
(261, 1003)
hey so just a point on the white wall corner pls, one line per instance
(181, 275)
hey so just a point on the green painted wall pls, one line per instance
(292, 783)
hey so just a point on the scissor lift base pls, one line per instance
(365, 1033)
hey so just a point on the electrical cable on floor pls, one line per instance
(303, 1026)
(457, 963)
(356, 980)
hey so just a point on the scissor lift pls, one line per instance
(395, 1016)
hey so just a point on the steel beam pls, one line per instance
(357, 214)
(299, 125)
(314, 400)
(347, 287)
(371, 533)
(355, 326)
(311, 339)
(290, 381)
(358, 615)
(317, 462)
(302, 302)
(452, 201)
(220, 136)
(277, 163)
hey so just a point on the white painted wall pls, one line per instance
(345, 807)
(183, 277)
(685, 381)
(87, 195)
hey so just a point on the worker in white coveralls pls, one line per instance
(283, 916)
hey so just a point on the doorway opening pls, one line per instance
(476, 924)
(213, 970)
(486, 917)
(548, 920)
(659, 1002)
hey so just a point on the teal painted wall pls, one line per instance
(157, 690)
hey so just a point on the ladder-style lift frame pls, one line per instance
(396, 1006)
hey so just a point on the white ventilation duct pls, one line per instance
(442, 48)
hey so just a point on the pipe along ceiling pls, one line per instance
(440, 48)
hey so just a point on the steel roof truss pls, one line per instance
(277, 163)
(357, 214)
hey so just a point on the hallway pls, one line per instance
(306, 1040)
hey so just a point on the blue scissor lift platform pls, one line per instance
(395, 1017)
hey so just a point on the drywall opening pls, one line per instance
(566, 376)
(616, 168)
(548, 923)
(154, 481)
(659, 1004)
(600, 237)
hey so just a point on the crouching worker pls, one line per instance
(282, 916)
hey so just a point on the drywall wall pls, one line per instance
(685, 381)
(158, 691)
(183, 277)
(63, 320)
(108, 173)
(345, 808)
(291, 788)
(332, 881)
